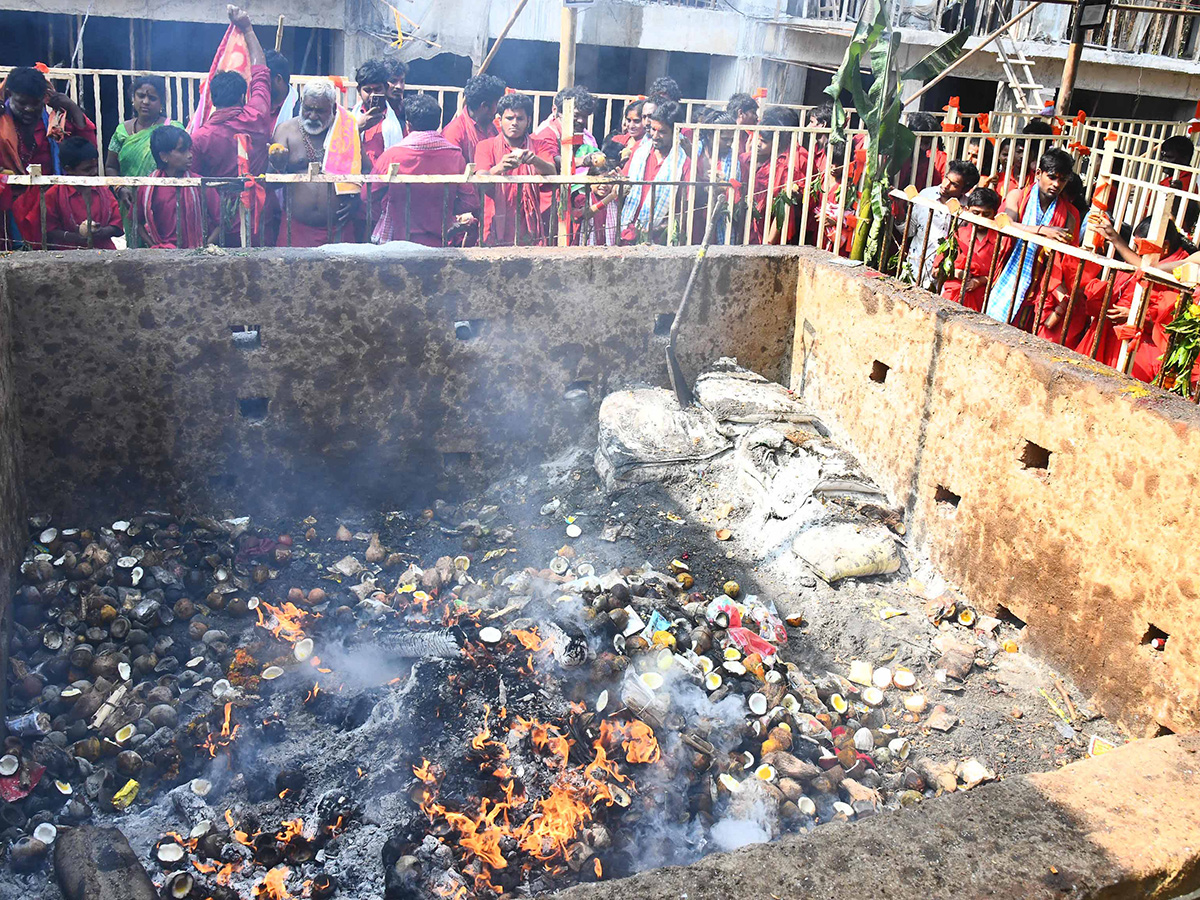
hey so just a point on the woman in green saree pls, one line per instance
(129, 150)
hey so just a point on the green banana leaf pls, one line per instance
(938, 59)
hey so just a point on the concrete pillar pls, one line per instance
(657, 64)
(350, 50)
(907, 89)
(784, 83)
(735, 74)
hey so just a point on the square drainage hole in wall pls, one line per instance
(879, 372)
(1155, 638)
(466, 329)
(246, 337)
(1008, 617)
(1035, 457)
(945, 495)
(663, 323)
(253, 408)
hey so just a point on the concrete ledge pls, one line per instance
(1045, 485)
(1122, 825)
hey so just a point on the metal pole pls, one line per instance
(1070, 65)
(487, 60)
(566, 49)
(987, 40)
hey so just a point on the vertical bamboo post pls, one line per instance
(1156, 238)
(567, 151)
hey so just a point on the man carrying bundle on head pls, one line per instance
(1040, 209)
(327, 135)
(34, 118)
(512, 212)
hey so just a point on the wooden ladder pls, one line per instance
(1018, 70)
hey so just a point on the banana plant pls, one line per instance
(879, 107)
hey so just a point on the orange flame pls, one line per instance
(287, 621)
(215, 742)
(599, 869)
(272, 886)
(636, 738)
(530, 639)
(312, 695)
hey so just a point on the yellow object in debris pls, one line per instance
(126, 795)
(1010, 646)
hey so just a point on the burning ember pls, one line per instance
(225, 737)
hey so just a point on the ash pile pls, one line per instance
(489, 698)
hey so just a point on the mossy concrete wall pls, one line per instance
(1042, 483)
(358, 392)
(11, 511)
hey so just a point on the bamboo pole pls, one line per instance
(279, 36)
(566, 48)
(487, 61)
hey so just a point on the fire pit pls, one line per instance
(547, 684)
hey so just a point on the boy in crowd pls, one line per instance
(378, 126)
(967, 283)
(73, 220)
(160, 224)
(511, 212)
(930, 226)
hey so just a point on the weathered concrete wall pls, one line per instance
(11, 514)
(133, 391)
(1119, 826)
(1092, 547)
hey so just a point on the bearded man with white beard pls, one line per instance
(304, 140)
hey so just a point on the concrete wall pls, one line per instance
(133, 391)
(1091, 550)
(11, 513)
(299, 13)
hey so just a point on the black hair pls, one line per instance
(585, 102)
(372, 71)
(741, 103)
(27, 81)
(823, 114)
(1180, 146)
(612, 152)
(837, 153)
(667, 87)
(481, 89)
(984, 197)
(781, 117)
(965, 170)
(921, 121)
(423, 113)
(166, 138)
(985, 153)
(515, 102)
(279, 65)
(1037, 126)
(1174, 240)
(227, 89)
(155, 81)
(74, 150)
(635, 106)
(708, 115)
(667, 112)
(1056, 162)
(396, 67)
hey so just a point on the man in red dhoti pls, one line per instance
(422, 213)
(1023, 294)
(476, 121)
(236, 110)
(511, 212)
(73, 220)
(33, 119)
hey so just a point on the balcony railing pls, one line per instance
(1125, 31)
